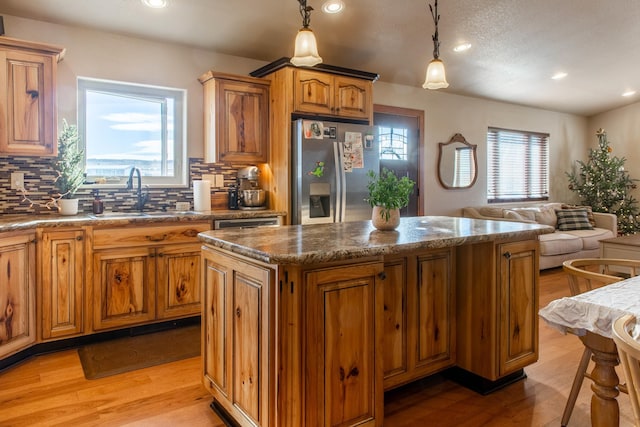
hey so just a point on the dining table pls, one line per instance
(590, 316)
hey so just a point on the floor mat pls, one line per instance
(130, 353)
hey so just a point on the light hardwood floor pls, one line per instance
(51, 390)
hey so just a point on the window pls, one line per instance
(518, 164)
(126, 125)
(393, 143)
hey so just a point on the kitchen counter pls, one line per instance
(16, 222)
(309, 325)
(312, 244)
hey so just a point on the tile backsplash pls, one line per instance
(39, 176)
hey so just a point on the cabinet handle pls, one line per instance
(156, 238)
(33, 94)
(507, 255)
(382, 275)
(238, 312)
(79, 238)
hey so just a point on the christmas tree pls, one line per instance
(603, 184)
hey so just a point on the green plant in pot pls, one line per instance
(69, 166)
(387, 195)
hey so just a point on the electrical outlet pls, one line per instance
(17, 180)
(211, 178)
(219, 180)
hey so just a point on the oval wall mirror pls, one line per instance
(457, 163)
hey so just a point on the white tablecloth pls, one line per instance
(595, 310)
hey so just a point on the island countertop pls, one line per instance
(318, 243)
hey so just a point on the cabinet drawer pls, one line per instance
(148, 235)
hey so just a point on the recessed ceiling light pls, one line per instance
(629, 93)
(333, 6)
(462, 47)
(156, 4)
(559, 76)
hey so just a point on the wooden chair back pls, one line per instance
(585, 274)
(629, 354)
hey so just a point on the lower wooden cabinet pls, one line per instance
(238, 337)
(497, 307)
(178, 280)
(419, 321)
(61, 269)
(17, 292)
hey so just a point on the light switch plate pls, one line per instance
(211, 178)
(219, 180)
(17, 180)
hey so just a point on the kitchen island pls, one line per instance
(309, 325)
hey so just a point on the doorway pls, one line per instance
(401, 131)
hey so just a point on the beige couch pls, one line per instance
(557, 247)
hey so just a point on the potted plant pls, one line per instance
(387, 195)
(70, 169)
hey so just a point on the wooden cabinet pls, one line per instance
(419, 321)
(145, 274)
(332, 95)
(17, 292)
(61, 275)
(497, 307)
(344, 346)
(238, 337)
(236, 118)
(28, 96)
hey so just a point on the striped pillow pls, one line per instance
(573, 219)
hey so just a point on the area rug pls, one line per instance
(120, 355)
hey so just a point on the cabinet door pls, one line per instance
(27, 85)
(236, 337)
(395, 320)
(352, 97)
(178, 280)
(123, 287)
(313, 92)
(17, 293)
(343, 352)
(518, 302)
(62, 283)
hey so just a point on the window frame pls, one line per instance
(530, 193)
(179, 97)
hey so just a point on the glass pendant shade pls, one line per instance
(435, 78)
(306, 50)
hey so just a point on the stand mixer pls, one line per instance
(250, 195)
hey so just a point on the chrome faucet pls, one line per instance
(142, 198)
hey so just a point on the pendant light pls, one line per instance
(435, 78)
(306, 50)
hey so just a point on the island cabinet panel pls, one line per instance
(236, 118)
(61, 282)
(497, 305)
(28, 97)
(343, 352)
(419, 323)
(238, 337)
(17, 292)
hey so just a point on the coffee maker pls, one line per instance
(250, 195)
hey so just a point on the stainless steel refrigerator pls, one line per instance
(329, 171)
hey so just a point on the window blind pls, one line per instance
(518, 165)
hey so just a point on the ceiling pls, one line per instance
(516, 45)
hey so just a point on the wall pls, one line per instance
(104, 55)
(623, 133)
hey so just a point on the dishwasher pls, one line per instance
(271, 221)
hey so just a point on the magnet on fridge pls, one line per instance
(368, 141)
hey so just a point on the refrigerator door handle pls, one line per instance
(342, 182)
(338, 166)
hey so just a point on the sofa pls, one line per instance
(573, 238)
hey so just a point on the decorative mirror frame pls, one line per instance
(457, 139)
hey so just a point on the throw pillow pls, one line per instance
(546, 216)
(526, 213)
(592, 220)
(509, 214)
(573, 219)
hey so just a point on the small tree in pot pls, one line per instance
(69, 166)
(387, 195)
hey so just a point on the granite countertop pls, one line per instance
(313, 244)
(15, 222)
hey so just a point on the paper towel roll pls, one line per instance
(201, 196)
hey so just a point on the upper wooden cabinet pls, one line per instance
(28, 96)
(332, 95)
(236, 118)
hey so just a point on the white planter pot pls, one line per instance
(380, 222)
(67, 206)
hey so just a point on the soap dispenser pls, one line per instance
(98, 204)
